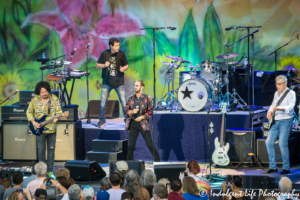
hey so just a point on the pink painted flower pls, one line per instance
(79, 22)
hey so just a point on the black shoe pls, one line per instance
(101, 124)
(269, 171)
(284, 171)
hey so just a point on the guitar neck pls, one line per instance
(50, 120)
(222, 131)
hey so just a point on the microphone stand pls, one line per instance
(152, 125)
(208, 132)
(275, 52)
(153, 41)
(248, 65)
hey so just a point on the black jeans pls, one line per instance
(136, 128)
(41, 146)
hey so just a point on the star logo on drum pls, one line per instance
(187, 93)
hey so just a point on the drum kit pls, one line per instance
(201, 87)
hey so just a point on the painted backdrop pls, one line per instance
(29, 28)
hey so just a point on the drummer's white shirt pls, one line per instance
(287, 104)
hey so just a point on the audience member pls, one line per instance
(41, 170)
(148, 180)
(285, 186)
(235, 185)
(115, 192)
(66, 182)
(51, 193)
(30, 178)
(18, 195)
(175, 189)
(40, 194)
(6, 183)
(2, 190)
(74, 193)
(190, 190)
(122, 169)
(62, 172)
(192, 170)
(160, 191)
(60, 188)
(88, 192)
(17, 179)
(164, 181)
(105, 184)
(132, 184)
(127, 196)
(102, 195)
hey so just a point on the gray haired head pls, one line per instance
(74, 192)
(282, 77)
(133, 184)
(160, 190)
(148, 178)
(40, 169)
(285, 185)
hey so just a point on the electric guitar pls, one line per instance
(220, 155)
(267, 125)
(42, 121)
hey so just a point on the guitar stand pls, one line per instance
(249, 154)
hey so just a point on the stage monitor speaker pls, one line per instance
(69, 141)
(18, 142)
(85, 170)
(112, 109)
(240, 143)
(168, 170)
(262, 153)
(138, 165)
(255, 182)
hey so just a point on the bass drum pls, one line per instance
(195, 95)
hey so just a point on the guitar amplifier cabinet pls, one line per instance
(112, 109)
(25, 96)
(14, 113)
(18, 142)
(262, 153)
(242, 142)
(73, 113)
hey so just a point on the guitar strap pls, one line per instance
(282, 98)
(49, 104)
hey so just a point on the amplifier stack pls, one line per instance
(16, 134)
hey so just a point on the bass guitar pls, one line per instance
(220, 155)
(42, 121)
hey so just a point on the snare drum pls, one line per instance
(195, 95)
(208, 70)
(186, 75)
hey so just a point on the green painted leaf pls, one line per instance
(55, 47)
(213, 34)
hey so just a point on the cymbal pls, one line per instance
(192, 67)
(170, 64)
(296, 79)
(290, 68)
(227, 56)
(178, 59)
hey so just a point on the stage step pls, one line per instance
(104, 157)
(101, 145)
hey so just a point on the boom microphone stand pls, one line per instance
(153, 41)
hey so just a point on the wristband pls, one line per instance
(57, 185)
(33, 123)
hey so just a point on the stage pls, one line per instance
(178, 136)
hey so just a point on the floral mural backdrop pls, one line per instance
(29, 28)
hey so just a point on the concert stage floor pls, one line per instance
(178, 136)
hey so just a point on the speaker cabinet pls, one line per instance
(262, 153)
(69, 141)
(255, 182)
(242, 142)
(18, 142)
(112, 109)
(138, 165)
(168, 170)
(85, 170)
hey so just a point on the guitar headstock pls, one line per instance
(66, 114)
(224, 109)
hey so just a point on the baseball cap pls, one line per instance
(102, 195)
(122, 165)
(88, 192)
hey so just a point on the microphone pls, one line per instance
(173, 28)
(211, 128)
(88, 45)
(254, 31)
(227, 45)
(73, 52)
(228, 29)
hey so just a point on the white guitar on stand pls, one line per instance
(220, 155)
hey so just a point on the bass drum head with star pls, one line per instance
(195, 95)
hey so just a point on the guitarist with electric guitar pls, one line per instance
(280, 116)
(43, 113)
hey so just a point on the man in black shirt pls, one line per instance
(113, 63)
